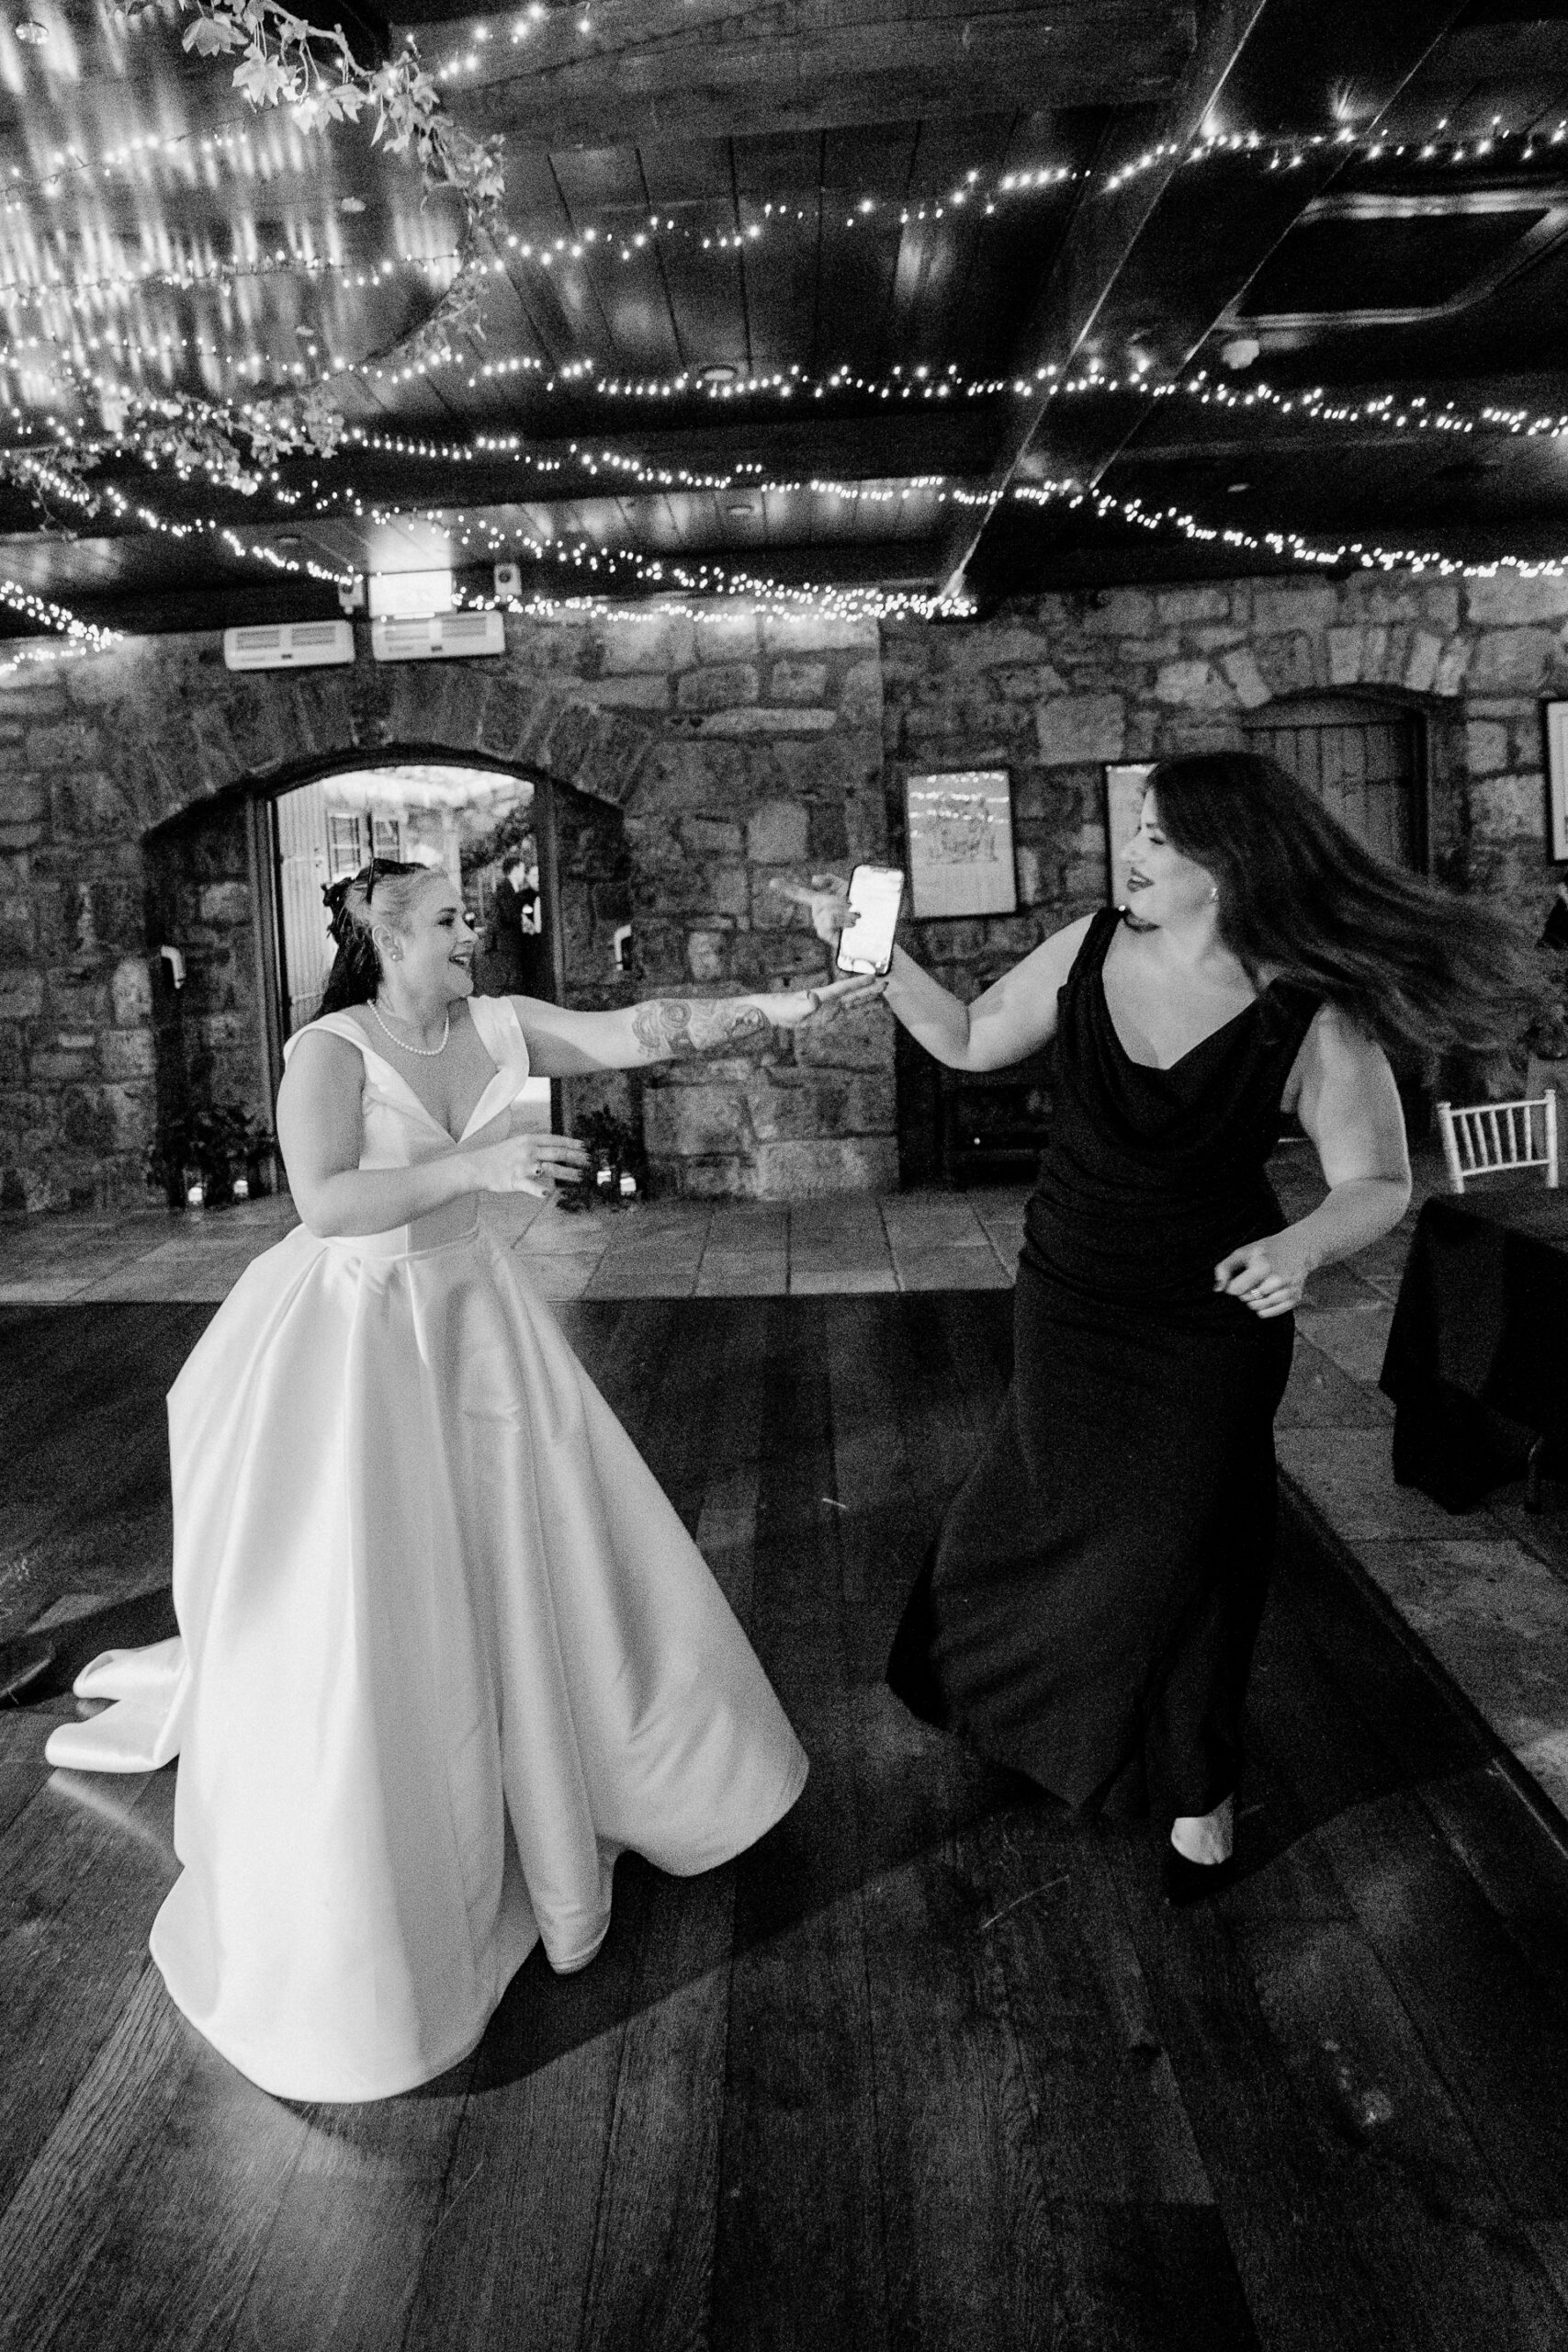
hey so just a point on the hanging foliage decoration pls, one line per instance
(283, 60)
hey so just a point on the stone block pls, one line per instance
(128, 1054)
(725, 686)
(21, 995)
(646, 640)
(707, 955)
(726, 632)
(860, 695)
(797, 681)
(1030, 685)
(794, 1171)
(1345, 651)
(712, 837)
(1286, 664)
(1485, 746)
(1120, 611)
(828, 840)
(767, 720)
(1080, 726)
(1421, 663)
(1184, 607)
(1516, 659)
(1509, 806)
(681, 1121)
(223, 904)
(1247, 681)
(1453, 664)
(1507, 601)
(860, 1038)
(777, 833)
(131, 993)
(636, 690)
(830, 1105)
(1294, 605)
(61, 1066)
(1193, 685)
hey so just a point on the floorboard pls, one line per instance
(930, 2068)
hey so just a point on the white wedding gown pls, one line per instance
(446, 1648)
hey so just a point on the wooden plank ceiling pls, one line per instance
(792, 289)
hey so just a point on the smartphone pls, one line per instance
(876, 892)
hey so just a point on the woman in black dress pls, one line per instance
(1089, 1612)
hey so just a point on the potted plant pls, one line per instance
(205, 1157)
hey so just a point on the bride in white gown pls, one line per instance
(446, 1648)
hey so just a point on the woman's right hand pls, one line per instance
(827, 900)
(512, 1165)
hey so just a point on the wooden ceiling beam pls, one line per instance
(718, 69)
(1127, 258)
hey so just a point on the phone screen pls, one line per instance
(875, 893)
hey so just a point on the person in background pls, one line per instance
(1089, 1610)
(507, 961)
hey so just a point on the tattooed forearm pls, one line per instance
(676, 1027)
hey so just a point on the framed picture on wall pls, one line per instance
(960, 837)
(1557, 779)
(1126, 781)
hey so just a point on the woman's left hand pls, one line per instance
(1268, 1277)
(787, 1012)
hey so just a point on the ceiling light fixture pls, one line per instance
(1240, 351)
(351, 204)
(719, 372)
(28, 30)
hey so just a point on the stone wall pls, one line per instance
(725, 750)
(1056, 686)
(712, 755)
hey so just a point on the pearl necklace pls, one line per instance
(426, 1053)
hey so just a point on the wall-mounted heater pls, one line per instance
(444, 637)
(288, 645)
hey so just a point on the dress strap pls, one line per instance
(337, 1025)
(501, 1031)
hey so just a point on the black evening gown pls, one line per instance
(1089, 1612)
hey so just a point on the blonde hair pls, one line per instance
(382, 892)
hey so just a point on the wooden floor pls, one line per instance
(931, 2067)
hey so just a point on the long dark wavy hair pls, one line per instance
(381, 892)
(1423, 971)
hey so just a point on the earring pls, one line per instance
(1213, 890)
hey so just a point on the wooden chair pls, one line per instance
(1488, 1139)
(1494, 1139)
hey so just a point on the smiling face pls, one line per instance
(1163, 887)
(429, 952)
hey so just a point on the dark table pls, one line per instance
(1477, 1360)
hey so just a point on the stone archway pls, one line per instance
(211, 893)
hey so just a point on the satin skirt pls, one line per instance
(446, 1651)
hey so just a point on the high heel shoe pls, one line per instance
(1186, 1881)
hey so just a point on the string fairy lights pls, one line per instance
(1290, 151)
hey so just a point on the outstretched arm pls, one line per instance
(563, 1043)
(1013, 1018)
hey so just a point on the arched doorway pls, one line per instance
(493, 831)
(1364, 757)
